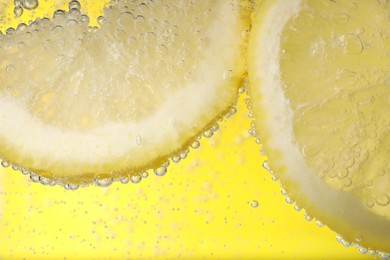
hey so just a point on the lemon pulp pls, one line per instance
(79, 102)
(319, 76)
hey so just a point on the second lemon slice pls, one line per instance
(78, 102)
(319, 80)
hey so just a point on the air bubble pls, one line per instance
(144, 175)
(24, 171)
(266, 165)
(10, 68)
(126, 19)
(382, 200)
(5, 164)
(18, 2)
(345, 243)
(10, 31)
(242, 89)
(138, 140)
(57, 29)
(370, 204)
(103, 183)
(184, 154)
(21, 27)
(347, 182)
(208, 133)
(161, 171)
(245, 34)
(84, 18)
(289, 201)
(342, 241)
(297, 208)
(254, 203)
(383, 255)
(135, 179)
(71, 23)
(30, 4)
(34, 177)
(176, 158)
(124, 180)
(215, 127)
(231, 112)
(308, 151)
(308, 217)
(18, 11)
(140, 18)
(319, 223)
(161, 49)
(15, 167)
(100, 20)
(363, 250)
(71, 186)
(74, 5)
(342, 173)
(250, 113)
(59, 15)
(228, 75)
(44, 181)
(195, 145)
(74, 13)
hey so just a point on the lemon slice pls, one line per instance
(319, 77)
(79, 102)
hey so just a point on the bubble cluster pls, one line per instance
(138, 44)
(20, 5)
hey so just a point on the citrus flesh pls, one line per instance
(78, 102)
(319, 83)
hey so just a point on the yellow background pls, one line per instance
(200, 209)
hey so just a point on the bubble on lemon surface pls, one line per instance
(30, 4)
(358, 158)
(156, 51)
(18, 11)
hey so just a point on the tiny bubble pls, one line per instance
(254, 203)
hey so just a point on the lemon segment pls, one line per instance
(78, 102)
(318, 73)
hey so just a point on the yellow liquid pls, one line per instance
(205, 207)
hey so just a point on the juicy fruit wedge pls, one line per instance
(319, 82)
(78, 102)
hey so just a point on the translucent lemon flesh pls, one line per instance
(78, 102)
(319, 76)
